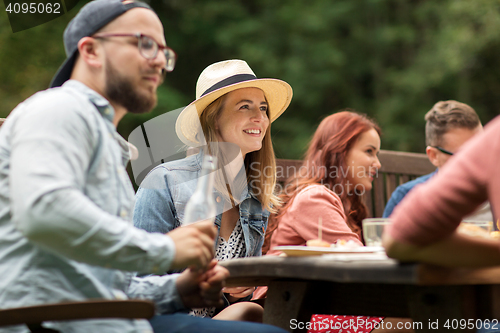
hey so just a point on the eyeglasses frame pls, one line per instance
(169, 67)
(444, 151)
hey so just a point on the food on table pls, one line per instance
(495, 234)
(317, 243)
(341, 243)
(473, 230)
(350, 244)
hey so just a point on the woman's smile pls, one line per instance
(244, 119)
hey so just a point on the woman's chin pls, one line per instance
(364, 187)
(253, 149)
(369, 186)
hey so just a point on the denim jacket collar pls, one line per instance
(245, 194)
(165, 191)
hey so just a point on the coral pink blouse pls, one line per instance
(300, 222)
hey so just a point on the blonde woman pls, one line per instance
(231, 119)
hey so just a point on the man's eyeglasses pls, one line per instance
(149, 48)
(444, 151)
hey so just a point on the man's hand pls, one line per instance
(194, 245)
(202, 288)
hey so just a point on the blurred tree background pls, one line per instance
(390, 59)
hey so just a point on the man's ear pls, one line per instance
(90, 51)
(432, 155)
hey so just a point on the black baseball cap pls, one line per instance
(92, 17)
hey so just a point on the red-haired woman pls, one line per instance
(340, 165)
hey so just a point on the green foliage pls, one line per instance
(28, 59)
(390, 59)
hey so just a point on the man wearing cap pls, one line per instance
(66, 199)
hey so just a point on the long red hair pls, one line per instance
(328, 149)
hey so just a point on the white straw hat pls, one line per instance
(219, 79)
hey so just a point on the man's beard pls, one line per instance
(121, 91)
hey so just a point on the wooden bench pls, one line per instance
(397, 168)
(34, 316)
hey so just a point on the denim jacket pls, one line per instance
(164, 193)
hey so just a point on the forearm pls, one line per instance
(453, 251)
(162, 290)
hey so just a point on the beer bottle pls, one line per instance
(201, 206)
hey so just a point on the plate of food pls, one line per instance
(302, 250)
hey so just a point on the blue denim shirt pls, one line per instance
(401, 191)
(65, 213)
(164, 193)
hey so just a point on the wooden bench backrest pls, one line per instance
(397, 168)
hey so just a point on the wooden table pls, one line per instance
(302, 286)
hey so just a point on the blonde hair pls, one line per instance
(260, 166)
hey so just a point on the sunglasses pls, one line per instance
(444, 151)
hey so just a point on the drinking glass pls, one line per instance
(486, 225)
(373, 229)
